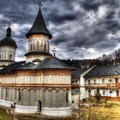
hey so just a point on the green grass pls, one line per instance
(97, 113)
(5, 116)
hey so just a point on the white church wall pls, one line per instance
(33, 98)
(7, 52)
(0, 92)
(25, 109)
(5, 103)
(25, 97)
(63, 111)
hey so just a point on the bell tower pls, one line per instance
(38, 35)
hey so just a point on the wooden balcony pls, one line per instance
(75, 85)
(107, 85)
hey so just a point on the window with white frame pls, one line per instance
(95, 81)
(110, 91)
(88, 81)
(104, 93)
(103, 81)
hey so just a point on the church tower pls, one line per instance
(38, 45)
(7, 49)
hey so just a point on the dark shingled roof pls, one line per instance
(76, 74)
(39, 26)
(47, 63)
(104, 70)
(53, 62)
(12, 66)
(27, 66)
(8, 41)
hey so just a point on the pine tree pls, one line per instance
(97, 94)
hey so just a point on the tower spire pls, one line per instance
(39, 26)
(9, 30)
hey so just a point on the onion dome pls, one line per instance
(39, 26)
(8, 41)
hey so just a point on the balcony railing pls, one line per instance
(103, 85)
(75, 85)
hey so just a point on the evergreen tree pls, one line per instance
(97, 94)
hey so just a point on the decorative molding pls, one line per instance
(36, 36)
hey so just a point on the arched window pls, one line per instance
(45, 47)
(10, 56)
(6, 95)
(19, 96)
(30, 47)
(66, 97)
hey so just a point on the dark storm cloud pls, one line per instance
(80, 28)
(91, 4)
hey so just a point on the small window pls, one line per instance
(88, 81)
(95, 81)
(75, 81)
(30, 47)
(110, 80)
(19, 97)
(66, 97)
(103, 81)
(10, 56)
(77, 90)
(6, 94)
(44, 47)
(95, 92)
(110, 91)
(104, 93)
(72, 81)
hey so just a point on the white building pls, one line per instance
(107, 78)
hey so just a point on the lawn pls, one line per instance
(4, 115)
(104, 111)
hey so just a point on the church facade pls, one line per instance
(42, 83)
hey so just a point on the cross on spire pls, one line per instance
(54, 51)
(40, 4)
(9, 24)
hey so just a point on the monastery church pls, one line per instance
(42, 83)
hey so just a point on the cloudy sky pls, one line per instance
(81, 29)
